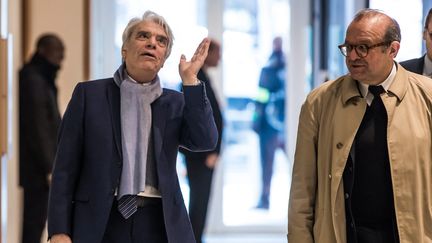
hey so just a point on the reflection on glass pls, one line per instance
(254, 194)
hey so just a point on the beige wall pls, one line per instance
(65, 18)
(14, 193)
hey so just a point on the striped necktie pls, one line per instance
(127, 205)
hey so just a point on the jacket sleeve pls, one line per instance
(304, 180)
(199, 132)
(66, 166)
(217, 113)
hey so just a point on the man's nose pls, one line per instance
(151, 42)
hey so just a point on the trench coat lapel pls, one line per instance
(348, 116)
(396, 92)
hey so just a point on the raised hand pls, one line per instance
(188, 69)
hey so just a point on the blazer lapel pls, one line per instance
(113, 95)
(159, 114)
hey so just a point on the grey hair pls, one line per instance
(149, 16)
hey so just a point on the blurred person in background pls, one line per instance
(269, 117)
(39, 119)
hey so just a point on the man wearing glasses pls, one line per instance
(423, 65)
(363, 163)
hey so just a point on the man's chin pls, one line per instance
(355, 76)
(151, 67)
(357, 73)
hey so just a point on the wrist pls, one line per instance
(194, 82)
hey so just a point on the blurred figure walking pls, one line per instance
(38, 124)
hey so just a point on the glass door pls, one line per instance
(256, 170)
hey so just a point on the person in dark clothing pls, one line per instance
(423, 65)
(200, 165)
(39, 119)
(270, 116)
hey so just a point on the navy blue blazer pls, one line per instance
(88, 162)
(414, 65)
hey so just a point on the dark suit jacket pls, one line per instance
(415, 65)
(89, 158)
(217, 115)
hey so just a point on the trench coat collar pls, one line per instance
(398, 88)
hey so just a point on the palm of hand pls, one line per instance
(189, 69)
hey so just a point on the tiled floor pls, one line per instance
(246, 238)
(235, 193)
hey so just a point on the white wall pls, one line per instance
(65, 18)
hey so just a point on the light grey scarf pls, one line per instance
(136, 117)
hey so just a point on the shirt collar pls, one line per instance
(427, 68)
(129, 78)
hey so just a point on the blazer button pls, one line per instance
(339, 145)
(346, 195)
(330, 176)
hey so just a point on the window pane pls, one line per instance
(411, 24)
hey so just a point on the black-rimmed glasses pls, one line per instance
(362, 50)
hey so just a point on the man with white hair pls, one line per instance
(114, 177)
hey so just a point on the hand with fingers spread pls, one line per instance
(188, 69)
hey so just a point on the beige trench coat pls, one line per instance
(329, 120)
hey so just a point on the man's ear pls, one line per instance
(394, 48)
